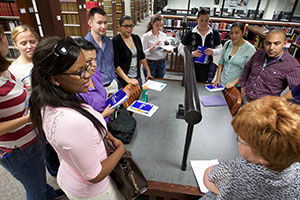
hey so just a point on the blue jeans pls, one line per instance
(51, 159)
(158, 69)
(28, 167)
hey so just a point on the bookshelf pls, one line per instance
(256, 35)
(110, 9)
(138, 9)
(173, 25)
(294, 49)
(254, 29)
(133, 11)
(74, 17)
(120, 11)
(146, 8)
(10, 17)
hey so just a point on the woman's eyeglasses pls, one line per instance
(238, 139)
(82, 72)
(128, 26)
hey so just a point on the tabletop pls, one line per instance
(158, 143)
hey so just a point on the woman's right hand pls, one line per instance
(118, 144)
(133, 81)
(107, 111)
(217, 83)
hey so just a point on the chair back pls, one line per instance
(133, 92)
(233, 98)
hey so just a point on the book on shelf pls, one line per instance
(176, 23)
(191, 24)
(293, 50)
(116, 99)
(10, 24)
(212, 88)
(5, 9)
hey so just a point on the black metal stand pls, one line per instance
(188, 140)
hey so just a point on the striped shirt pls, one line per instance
(271, 79)
(12, 106)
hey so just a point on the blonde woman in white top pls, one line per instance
(151, 41)
(25, 39)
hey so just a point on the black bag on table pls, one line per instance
(122, 125)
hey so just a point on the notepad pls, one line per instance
(204, 57)
(199, 167)
(116, 99)
(212, 100)
(155, 85)
(142, 108)
(212, 88)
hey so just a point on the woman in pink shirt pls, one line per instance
(74, 129)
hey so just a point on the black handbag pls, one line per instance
(122, 125)
(127, 175)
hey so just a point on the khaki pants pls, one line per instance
(111, 193)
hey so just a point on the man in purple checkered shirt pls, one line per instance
(271, 70)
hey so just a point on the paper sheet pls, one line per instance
(168, 47)
(155, 85)
(199, 167)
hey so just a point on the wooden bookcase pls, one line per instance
(146, 8)
(295, 45)
(74, 17)
(255, 32)
(74, 14)
(133, 11)
(138, 8)
(12, 14)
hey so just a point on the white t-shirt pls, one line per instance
(22, 72)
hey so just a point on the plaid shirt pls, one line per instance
(272, 79)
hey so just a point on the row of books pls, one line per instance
(225, 36)
(172, 23)
(293, 50)
(9, 40)
(288, 30)
(68, 6)
(174, 32)
(13, 53)
(8, 9)
(9, 25)
(258, 42)
(70, 19)
(296, 38)
(73, 31)
(221, 26)
(91, 4)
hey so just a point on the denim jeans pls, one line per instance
(51, 159)
(28, 167)
(158, 69)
